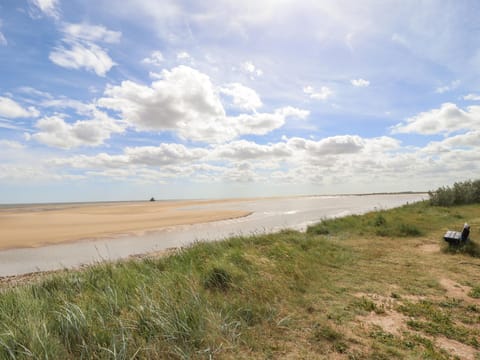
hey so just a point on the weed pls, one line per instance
(428, 317)
(325, 333)
(475, 292)
(365, 305)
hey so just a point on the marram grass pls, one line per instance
(291, 294)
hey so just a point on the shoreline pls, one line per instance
(35, 226)
(183, 223)
(10, 206)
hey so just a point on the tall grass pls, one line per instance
(195, 304)
(396, 223)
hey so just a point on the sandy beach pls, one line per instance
(36, 238)
(39, 225)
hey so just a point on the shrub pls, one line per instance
(467, 192)
(380, 220)
(319, 229)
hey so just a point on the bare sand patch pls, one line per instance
(390, 321)
(33, 227)
(429, 248)
(457, 291)
(456, 348)
(395, 323)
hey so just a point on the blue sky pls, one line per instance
(188, 99)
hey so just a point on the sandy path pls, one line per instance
(37, 226)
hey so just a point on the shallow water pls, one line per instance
(268, 215)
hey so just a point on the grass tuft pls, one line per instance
(470, 248)
(217, 279)
(475, 292)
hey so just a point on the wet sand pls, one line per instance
(40, 225)
(132, 228)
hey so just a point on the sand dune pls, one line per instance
(41, 225)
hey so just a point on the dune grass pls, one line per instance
(328, 293)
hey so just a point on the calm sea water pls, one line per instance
(64, 205)
(268, 215)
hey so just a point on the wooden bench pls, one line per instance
(456, 237)
(453, 237)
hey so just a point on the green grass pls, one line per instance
(291, 294)
(381, 223)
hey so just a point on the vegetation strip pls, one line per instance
(377, 286)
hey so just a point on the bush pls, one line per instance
(380, 220)
(467, 192)
(319, 229)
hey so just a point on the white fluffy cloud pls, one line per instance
(11, 109)
(55, 131)
(99, 161)
(335, 145)
(323, 94)
(470, 140)
(92, 33)
(156, 58)
(47, 7)
(88, 56)
(473, 97)
(243, 97)
(247, 150)
(186, 102)
(162, 155)
(263, 123)
(165, 154)
(79, 50)
(294, 160)
(445, 120)
(360, 82)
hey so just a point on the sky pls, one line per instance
(175, 99)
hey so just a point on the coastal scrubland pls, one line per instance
(383, 285)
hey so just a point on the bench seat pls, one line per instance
(453, 237)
